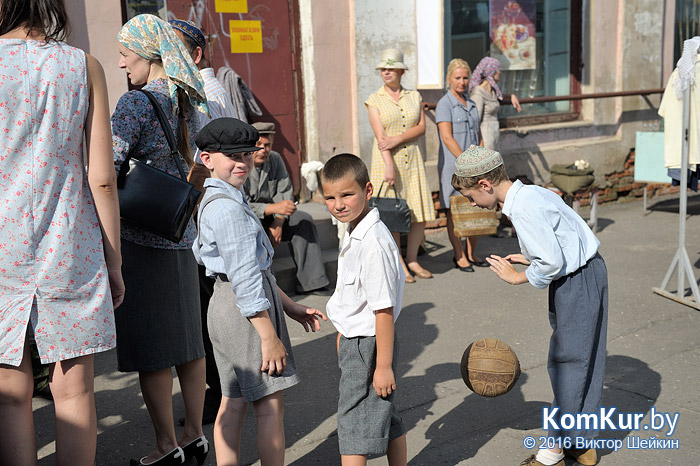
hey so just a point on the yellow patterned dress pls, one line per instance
(411, 184)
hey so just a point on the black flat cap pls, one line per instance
(227, 135)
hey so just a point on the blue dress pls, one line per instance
(465, 130)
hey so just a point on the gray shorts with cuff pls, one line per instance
(366, 422)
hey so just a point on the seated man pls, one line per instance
(268, 191)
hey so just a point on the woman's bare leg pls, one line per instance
(193, 384)
(18, 446)
(73, 389)
(415, 237)
(456, 242)
(157, 390)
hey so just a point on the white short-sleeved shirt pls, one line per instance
(370, 278)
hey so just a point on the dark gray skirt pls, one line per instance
(159, 323)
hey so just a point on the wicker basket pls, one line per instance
(472, 221)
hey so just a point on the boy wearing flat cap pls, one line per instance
(245, 319)
(560, 252)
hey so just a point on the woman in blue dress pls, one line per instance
(458, 124)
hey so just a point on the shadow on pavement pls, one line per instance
(411, 390)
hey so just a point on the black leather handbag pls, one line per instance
(393, 211)
(152, 199)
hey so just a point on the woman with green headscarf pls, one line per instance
(159, 323)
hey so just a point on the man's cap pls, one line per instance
(227, 135)
(476, 161)
(264, 128)
(191, 30)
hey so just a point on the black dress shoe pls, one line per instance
(480, 263)
(197, 449)
(174, 458)
(468, 268)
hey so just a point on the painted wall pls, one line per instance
(380, 24)
(94, 28)
(327, 72)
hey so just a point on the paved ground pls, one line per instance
(653, 361)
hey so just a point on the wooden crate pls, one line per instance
(472, 221)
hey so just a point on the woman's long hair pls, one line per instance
(46, 17)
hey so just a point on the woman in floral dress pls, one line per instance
(59, 230)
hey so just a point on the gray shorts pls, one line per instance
(366, 421)
(237, 345)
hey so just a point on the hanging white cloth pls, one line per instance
(671, 109)
(686, 66)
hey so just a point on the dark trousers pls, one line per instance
(578, 314)
(206, 289)
(305, 249)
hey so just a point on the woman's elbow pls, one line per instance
(105, 181)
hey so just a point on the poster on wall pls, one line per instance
(246, 36)
(512, 29)
(231, 6)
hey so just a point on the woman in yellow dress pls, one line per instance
(397, 119)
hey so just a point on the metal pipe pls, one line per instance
(598, 95)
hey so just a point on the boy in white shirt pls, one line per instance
(363, 308)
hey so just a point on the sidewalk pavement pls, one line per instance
(653, 361)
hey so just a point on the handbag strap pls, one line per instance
(160, 114)
(379, 193)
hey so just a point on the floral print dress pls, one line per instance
(53, 277)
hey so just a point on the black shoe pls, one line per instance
(175, 457)
(323, 291)
(480, 264)
(468, 268)
(198, 449)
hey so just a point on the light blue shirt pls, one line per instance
(554, 238)
(232, 242)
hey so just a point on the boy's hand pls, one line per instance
(517, 259)
(505, 270)
(274, 356)
(383, 381)
(308, 317)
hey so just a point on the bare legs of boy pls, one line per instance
(72, 386)
(396, 454)
(269, 413)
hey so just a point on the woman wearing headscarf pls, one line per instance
(60, 266)
(458, 125)
(159, 324)
(397, 120)
(484, 91)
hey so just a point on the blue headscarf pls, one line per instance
(153, 39)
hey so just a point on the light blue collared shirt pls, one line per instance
(232, 242)
(554, 238)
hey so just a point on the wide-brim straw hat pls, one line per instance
(392, 59)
